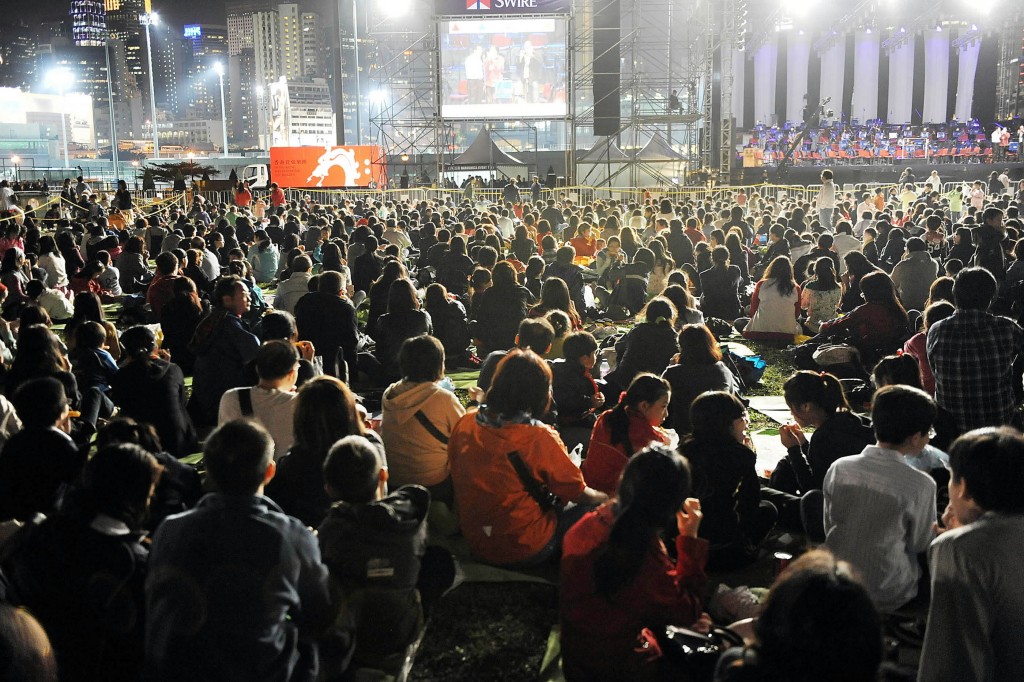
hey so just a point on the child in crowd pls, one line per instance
(573, 387)
(373, 544)
(109, 278)
(629, 427)
(56, 304)
(562, 325)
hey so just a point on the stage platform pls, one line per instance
(855, 173)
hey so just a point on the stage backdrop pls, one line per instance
(328, 166)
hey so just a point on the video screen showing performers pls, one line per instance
(503, 68)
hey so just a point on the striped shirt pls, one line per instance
(878, 516)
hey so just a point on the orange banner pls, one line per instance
(327, 166)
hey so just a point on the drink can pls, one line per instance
(782, 560)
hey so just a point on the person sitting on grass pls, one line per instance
(573, 387)
(976, 600)
(533, 334)
(617, 579)
(56, 304)
(373, 544)
(501, 458)
(879, 511)
(236, 589)
(41, 460)
(418, 417)
(626, 429)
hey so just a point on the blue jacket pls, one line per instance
(236, 591)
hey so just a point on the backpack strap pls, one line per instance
(536, 489)
(245, 401)
(425, 422)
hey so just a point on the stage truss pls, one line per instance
(664, 45)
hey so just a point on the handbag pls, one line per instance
(692, 654)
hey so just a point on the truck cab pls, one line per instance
(257, 175)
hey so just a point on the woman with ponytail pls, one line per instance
(647, 347)
(627, 428)
(617, 578)
(816, 399)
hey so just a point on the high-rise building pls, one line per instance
(88, 22)
(290, 40)
(300, 113)
(209, 45)
(266, 35)
(17, 55)
(170, 60)
(314, 65)
(88, 67)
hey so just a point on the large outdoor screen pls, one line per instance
(503, 68)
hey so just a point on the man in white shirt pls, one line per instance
(826, 200)
(879, 511)
(475, 75)
(844, 243)
(506, 226)
(977, 606)
(271, 402)
(395, 234)
(866, 205)
(7, 202)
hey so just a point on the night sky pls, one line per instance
(174, 12)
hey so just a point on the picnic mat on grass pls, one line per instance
(465, 379)
(772, 406)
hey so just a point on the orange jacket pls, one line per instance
(499, 519)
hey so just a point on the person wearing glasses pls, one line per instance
(879, 511)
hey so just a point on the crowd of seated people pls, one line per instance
(301, 355)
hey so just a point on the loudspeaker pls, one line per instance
(607, 68)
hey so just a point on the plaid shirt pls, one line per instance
(971, 355)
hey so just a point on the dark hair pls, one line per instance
(40, 402)
(138, 341)
(329, 282)
(818, 605)
(893, 370)
(504, 276)
(654, 485)
(712, 414)
(937, 311)
(352, 469)
(645, 387)
(117, 482)
(522, 383)
(680, 297)
(973, 289)
(237, 455)
(698, 346)
(166, 263)
(325, 411)
(535, 334)
(578, 344)
(899, 412)
(819, 388)
(90, 336)
(660, 309)
(877, 287)
(277, 325)
(421, 358)
(275, 359)
(554, 294)
(990, 461)
(781, 270)
(825, 273)
(226, 288)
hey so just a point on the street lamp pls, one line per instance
(219, 69)
(151, 19)
(60, 80)
(15, 160)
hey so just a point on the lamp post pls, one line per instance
(219, 69)
(355, 62)
(151, 19)
(60, 80)
(15, 160)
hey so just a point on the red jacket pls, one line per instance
(605, 462)
(599, 632)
